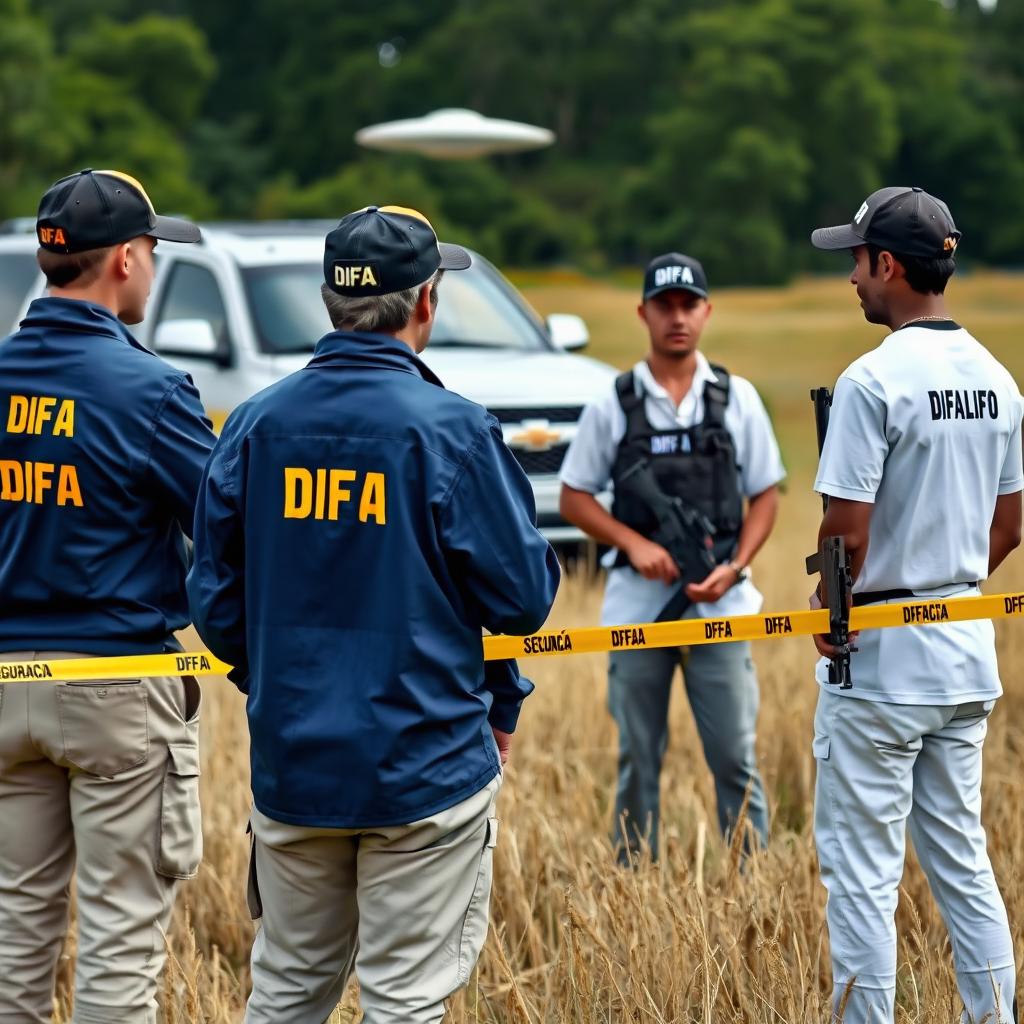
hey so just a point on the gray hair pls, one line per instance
(375, 314)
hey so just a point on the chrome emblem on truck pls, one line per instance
(535, 436)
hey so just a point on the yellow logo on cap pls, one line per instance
(950, 244)
(52, 236)
(354, 276)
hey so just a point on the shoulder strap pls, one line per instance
(716, 397)
(632, 404)
(625, 388)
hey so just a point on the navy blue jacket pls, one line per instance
(357, 527)
(102, 448)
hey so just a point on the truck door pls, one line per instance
(191, 331)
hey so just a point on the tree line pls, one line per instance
(726, 128)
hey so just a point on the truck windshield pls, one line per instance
(477, 309)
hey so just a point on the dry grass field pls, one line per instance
(695, 938)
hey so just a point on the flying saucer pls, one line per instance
(454, 134)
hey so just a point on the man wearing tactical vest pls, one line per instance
(690, 453)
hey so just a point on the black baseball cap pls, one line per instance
(674, 270)
(905, 221)
(383, 249)
(94, 209)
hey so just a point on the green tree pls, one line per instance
(103, 125)
(164, 62)
(958, 134)
(728, 128)
(29, 139)
(359, 184)
(771, 93)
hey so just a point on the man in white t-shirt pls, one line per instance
(702, 441)
(922, 469)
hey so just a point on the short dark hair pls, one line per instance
(926, 276)
(81, 268)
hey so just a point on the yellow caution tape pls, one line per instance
(131, 666)
(691, 632)
(587, 640)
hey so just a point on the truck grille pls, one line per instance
(536, 463)
(553, 414)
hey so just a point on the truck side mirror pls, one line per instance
(568, 332)
(189, 338)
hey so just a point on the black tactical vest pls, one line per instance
(697, 465)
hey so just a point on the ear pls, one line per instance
(121, 260)
(641, 311)
(888, 265)
(708, 309)
(423, 311)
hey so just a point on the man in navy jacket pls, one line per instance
(358, 527)
(102, 449)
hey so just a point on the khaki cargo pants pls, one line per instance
(406, 906)
(101, 778)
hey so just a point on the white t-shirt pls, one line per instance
(588, 467)
(927, 428)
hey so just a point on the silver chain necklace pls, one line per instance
(918, 319)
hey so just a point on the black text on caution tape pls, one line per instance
(32, 670)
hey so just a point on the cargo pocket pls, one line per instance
(252, 888)
(104, 726)
(193, 699)
(181, 835)
(474, 927)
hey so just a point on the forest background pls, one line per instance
(727, 127)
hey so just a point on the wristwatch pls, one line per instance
(742, 572)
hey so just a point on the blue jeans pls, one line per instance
(721, 684)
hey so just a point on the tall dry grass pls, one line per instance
(575, 940)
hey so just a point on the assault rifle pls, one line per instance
(682, 530)
(833, 564)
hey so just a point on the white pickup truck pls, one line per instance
(242, 309)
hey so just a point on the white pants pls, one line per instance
(406, 906)
(882, 767)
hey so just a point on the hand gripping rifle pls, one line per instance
(685, 533)
(833, 564)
